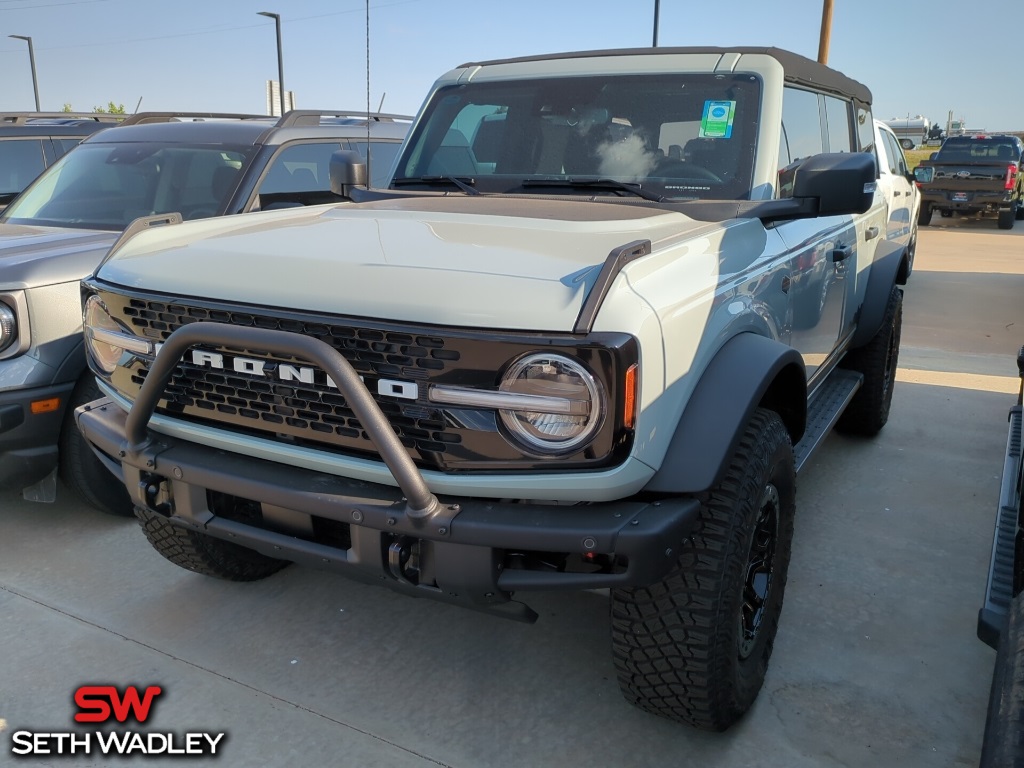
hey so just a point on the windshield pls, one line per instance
(678, 136)
(106, 186)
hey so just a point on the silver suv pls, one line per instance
(606, 308)
(55, 233)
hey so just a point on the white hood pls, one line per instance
(480, 262)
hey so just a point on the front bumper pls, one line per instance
(470, 551)
(1003, 565)
(28, 441)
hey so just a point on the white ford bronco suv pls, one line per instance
(607, 305)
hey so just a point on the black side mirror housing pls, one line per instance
(843, 183)
(347, 170)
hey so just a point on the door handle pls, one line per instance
(841, 254)
(897, 193)
(871, 233)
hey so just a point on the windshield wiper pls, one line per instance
(633, 187)
(464, 183)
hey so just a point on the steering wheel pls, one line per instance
(681, 169)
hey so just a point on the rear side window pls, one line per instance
(837, 116)
(21, 160)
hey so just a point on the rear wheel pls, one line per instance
(80, 470)
(868, 412)
(924, 216)
(1007, 216)
(695, 646)
(205, 554)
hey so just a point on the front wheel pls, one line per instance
(695, 646)
(204, 554)
(868, 412)
(80, 470)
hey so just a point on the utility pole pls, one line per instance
(657, 6)
(826, 31)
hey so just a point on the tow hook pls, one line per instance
(403, 560)
(156, 493)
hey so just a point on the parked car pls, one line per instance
(55, 233)
(30, 141)
(559, 351)
(903, 200)
(974, 175)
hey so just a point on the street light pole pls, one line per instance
(280, 55)
(32, 62)
(657, 8)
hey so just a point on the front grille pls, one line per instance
(291, 401)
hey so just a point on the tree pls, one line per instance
(111, 109)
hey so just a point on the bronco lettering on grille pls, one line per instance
(301, 374)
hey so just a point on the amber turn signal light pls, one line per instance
(629, 405)
(49, 405)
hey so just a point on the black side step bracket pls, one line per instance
(823, 411)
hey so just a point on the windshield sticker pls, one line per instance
(716, 122)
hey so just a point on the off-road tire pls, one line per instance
(205, 554)
(79, 468)
(1006, 217)
(924, 215)
(1003, 743)
(868, 412)
(689, 648)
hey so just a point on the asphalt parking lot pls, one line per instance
(876, 662)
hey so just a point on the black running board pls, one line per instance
(823, 411)
(1002, 565)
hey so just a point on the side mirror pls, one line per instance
(347, 170)
(925, 174)
(843, 183)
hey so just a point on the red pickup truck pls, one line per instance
(974, 175)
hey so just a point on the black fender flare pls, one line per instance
(748, 371)
(884, 269)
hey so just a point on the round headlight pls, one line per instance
(570, 412)
(96, 317)
(8, 326)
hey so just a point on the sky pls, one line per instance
(216, 55)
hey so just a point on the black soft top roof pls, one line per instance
(798, 69)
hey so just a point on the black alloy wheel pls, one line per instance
(757, 584)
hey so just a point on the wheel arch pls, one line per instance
(748, 371)
(889, 263)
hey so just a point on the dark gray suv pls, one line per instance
(30, 141)
(155, 165)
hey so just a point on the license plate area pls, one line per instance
(960, 197)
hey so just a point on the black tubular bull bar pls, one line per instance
(462, 542)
